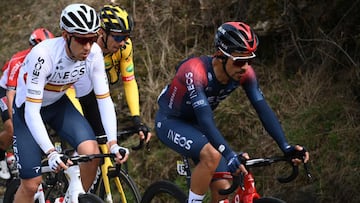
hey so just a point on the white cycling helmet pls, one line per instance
(79, 18)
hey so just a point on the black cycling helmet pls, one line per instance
(115, 19)
(79, 18)
(236, 37)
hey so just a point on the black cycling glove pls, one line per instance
(140, 126)
(292, 153)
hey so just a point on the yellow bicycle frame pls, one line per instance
(104, 171)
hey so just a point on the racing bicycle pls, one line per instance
(112, 183)
(243, 185)
(66, 183)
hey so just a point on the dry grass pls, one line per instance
(304, 80)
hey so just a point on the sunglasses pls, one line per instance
(85, 40)
(120, 38)
(240, 60)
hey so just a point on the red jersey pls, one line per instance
(11, 68)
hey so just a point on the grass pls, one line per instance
(312, 85)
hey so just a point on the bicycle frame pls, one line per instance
(104, 173)
(245, 194)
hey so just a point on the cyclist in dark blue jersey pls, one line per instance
(185, 121)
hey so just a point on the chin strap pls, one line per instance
(68, 45)
(224, 60)
(105, 40)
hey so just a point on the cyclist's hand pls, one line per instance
(298, 154)
(236, 163)
(143, 129)
(55, 162)
(122, 153)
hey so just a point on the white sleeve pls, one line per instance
(38, 68)
(105, 103)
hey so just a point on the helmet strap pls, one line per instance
(224, 61)
(68, 45)
(106, 40)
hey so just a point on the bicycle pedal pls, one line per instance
(180, 167)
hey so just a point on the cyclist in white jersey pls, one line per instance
(49, 69)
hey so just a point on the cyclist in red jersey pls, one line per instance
(8, 83)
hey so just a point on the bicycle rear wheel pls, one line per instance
(131, 192)
(268, 200)
(163, 191)
(89, 198)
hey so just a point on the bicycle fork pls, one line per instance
(105, 176)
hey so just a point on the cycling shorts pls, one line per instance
(62, 117)
(183, 137)
(4, 105)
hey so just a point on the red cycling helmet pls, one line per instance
(39, 35)
(236, 37)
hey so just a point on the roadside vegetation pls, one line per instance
(307, 65)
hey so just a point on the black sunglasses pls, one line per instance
(85, 40)
(120, 38)
(241, 62)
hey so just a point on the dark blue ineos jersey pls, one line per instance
(192, 96)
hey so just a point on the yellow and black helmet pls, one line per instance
(115, 19)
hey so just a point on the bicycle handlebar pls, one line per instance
(123, 134)
(260, 162)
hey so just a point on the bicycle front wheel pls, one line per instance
(131, 192)
(268, 200)
(89, 198)
(163, 192)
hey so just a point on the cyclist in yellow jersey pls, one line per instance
(115, 42)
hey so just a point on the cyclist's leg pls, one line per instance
(187, 140)
(73, 127)
(28, 155)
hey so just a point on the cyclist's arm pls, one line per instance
(10, 94)
(106, 107)
(265, 113)
(34, 96)
(128, 78)
(194, 76)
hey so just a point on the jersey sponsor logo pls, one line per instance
(172, 98)
(198, 103)
(14, 70)
(34, 92)
(179, 140)
(36, 70)
(130, 68)
(37, 169)
(59, 75)
(190, 84)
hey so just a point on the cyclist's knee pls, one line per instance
(29, 187)
(210, 157)
(88, 147)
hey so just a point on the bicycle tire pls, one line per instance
(268, 200)
(89, 198)
(132, 193)
(163, 191)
